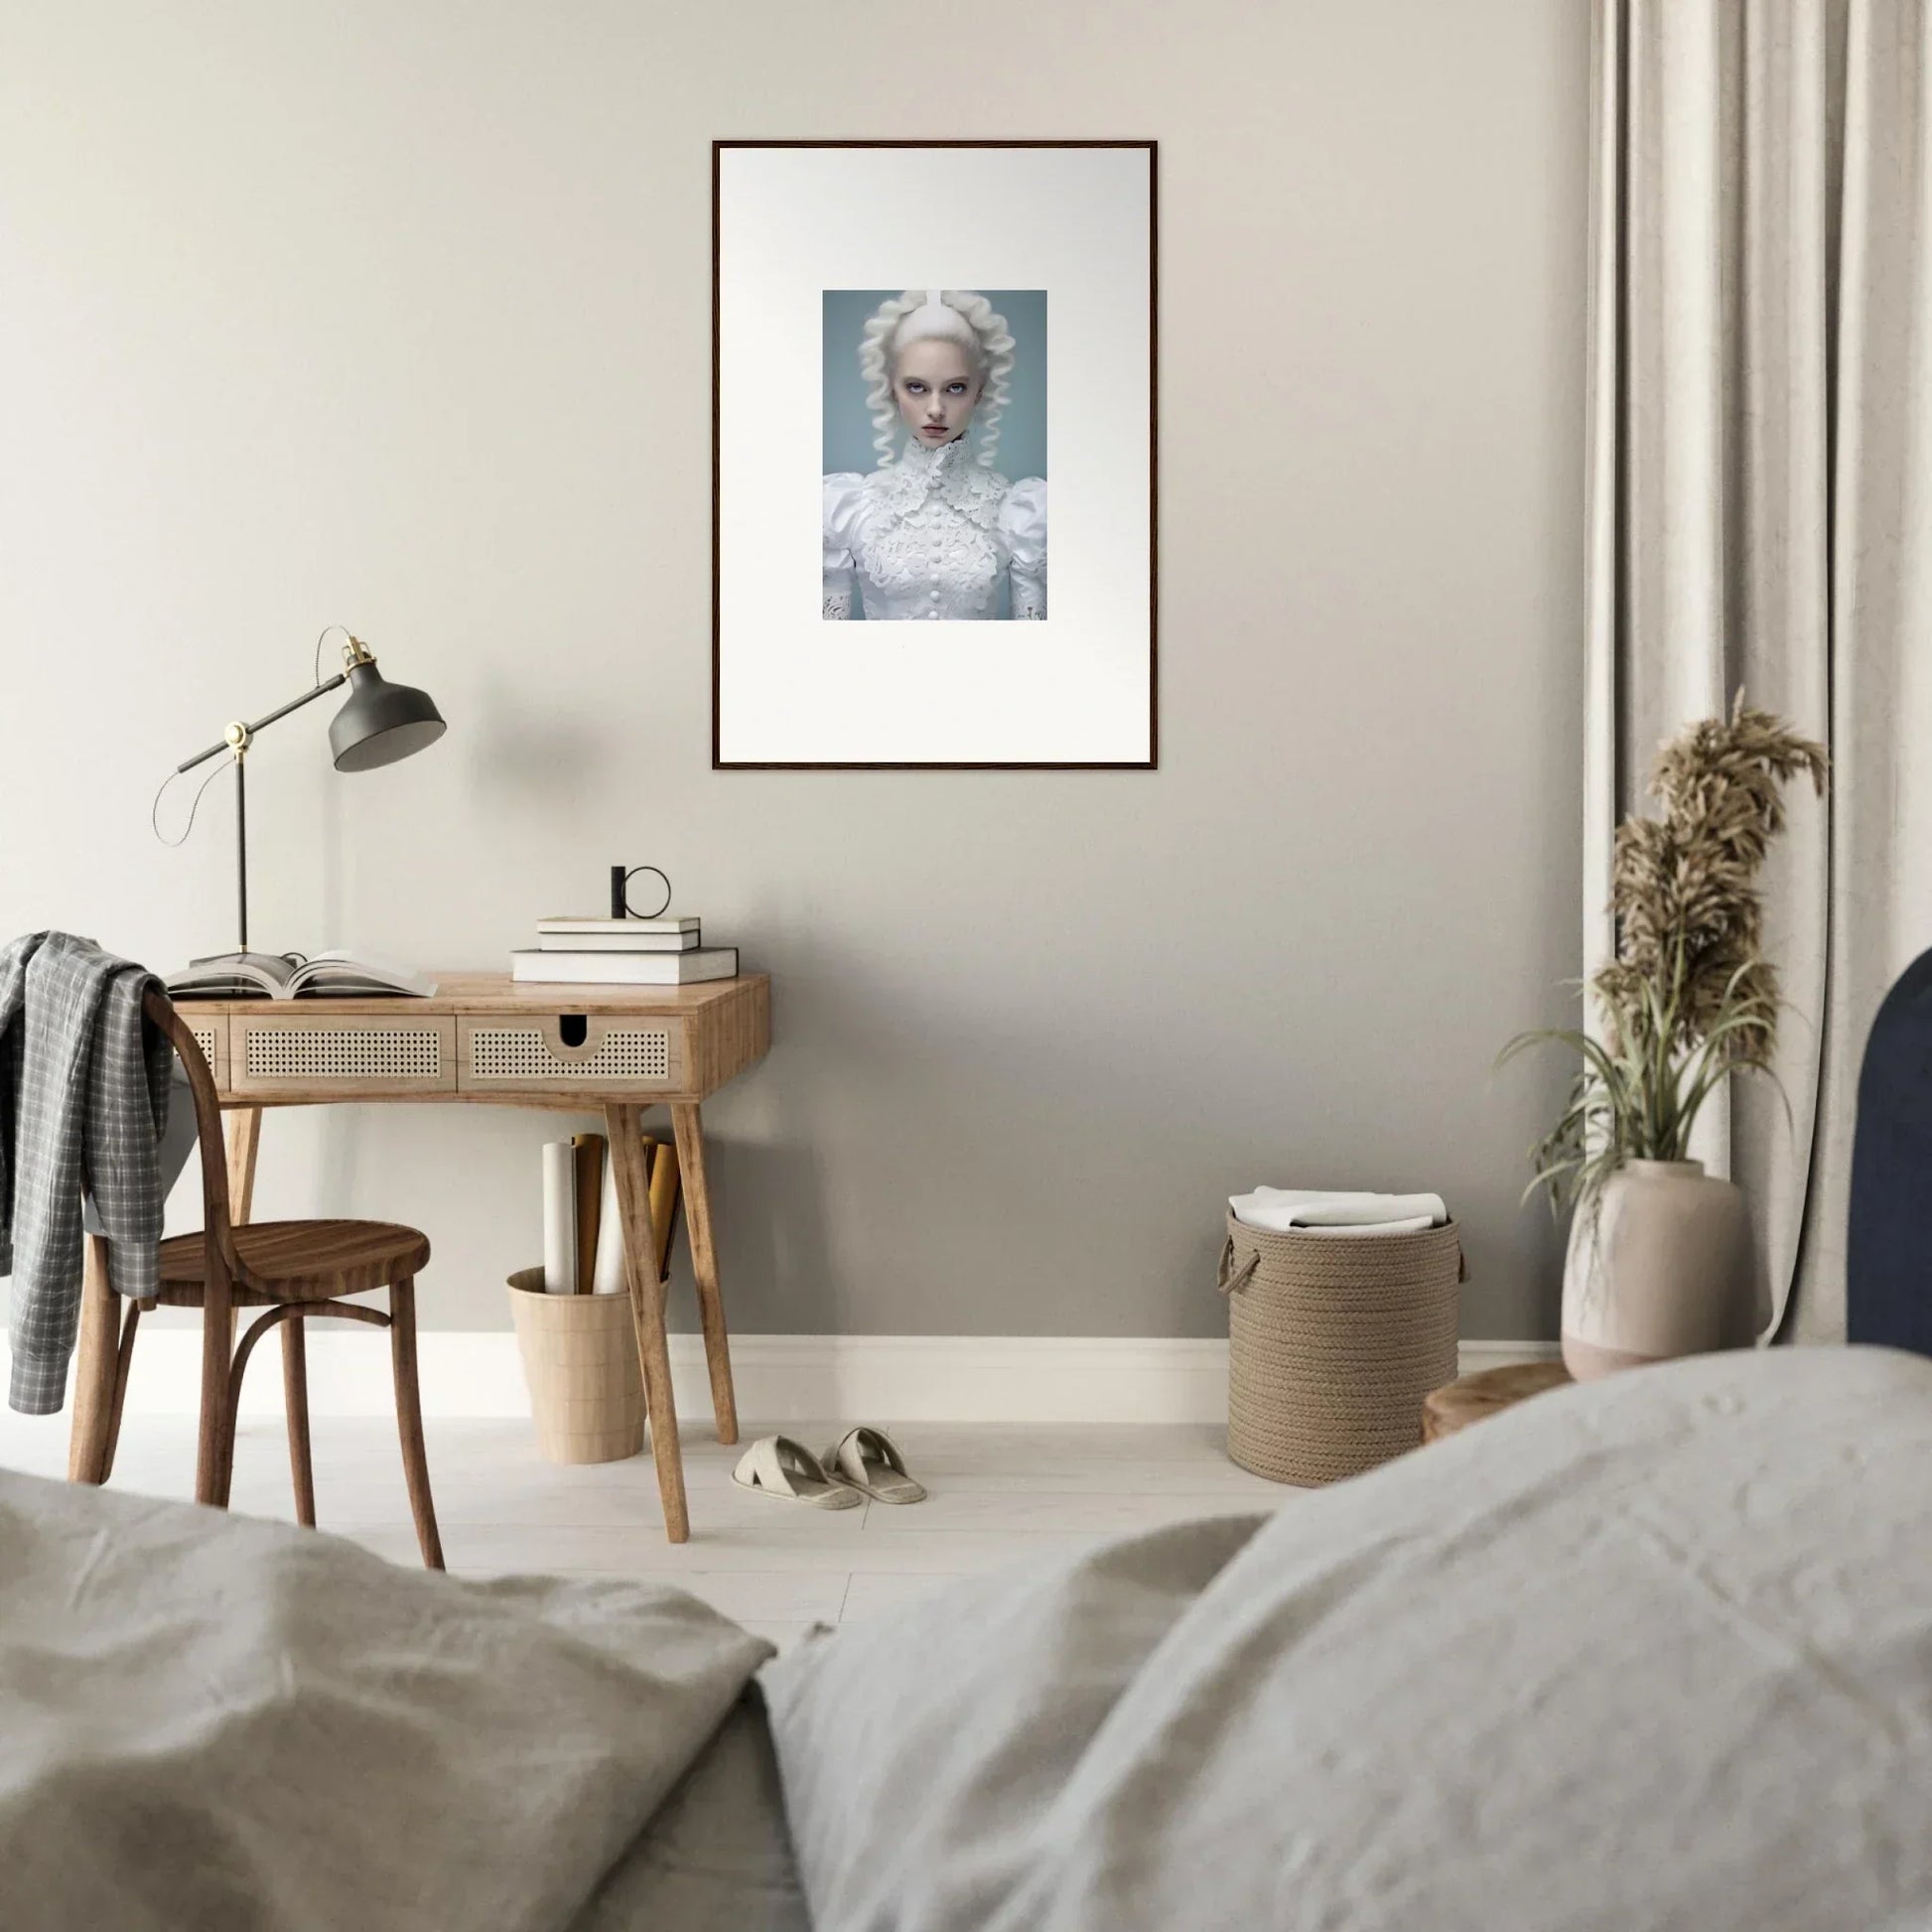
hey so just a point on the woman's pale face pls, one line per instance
(937, 390)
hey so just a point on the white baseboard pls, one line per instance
(778, 1378)
(1474, 1356)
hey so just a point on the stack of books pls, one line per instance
(622, 952)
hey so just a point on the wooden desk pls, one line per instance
(482, 1041)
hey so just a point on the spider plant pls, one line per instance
(1689, 1000)
(1639, 1091)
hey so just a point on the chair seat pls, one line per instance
(298, 1261)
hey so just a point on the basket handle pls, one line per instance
(1228, 1278)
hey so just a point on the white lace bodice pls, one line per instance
(929, 536)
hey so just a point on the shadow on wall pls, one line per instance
(769, 1204)
(557, 756)
(1096, 1206)
(905, 1250)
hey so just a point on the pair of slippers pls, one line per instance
(861, 1463)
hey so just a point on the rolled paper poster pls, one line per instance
(607, 1275)
(559, 1218)
(587, 1191)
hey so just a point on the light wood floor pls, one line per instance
(997, 1494)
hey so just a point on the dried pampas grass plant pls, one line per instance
(1689, 997)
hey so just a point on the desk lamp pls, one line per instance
(379, 724)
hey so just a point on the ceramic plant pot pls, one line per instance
(1658, 1265)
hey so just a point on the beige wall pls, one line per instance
(399, 314)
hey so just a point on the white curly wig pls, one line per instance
(950, 315)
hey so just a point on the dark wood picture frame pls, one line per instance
(1152, 760)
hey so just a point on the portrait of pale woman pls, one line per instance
(933, 531)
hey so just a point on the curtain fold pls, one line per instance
(1758, 445)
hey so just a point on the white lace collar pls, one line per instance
(949, 472)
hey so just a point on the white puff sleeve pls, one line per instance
(844, 495)
(1023, 529)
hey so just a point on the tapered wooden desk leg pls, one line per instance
(689, 1129)
(130, 1324)
(244, 1125)
(245, 1132)
(95, 1364)
(624, 1126)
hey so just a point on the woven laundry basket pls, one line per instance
(579, 1360)
(1334, 1340)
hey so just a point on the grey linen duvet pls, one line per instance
(212, 1725)
(1655, 1653)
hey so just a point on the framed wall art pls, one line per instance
(933, 503)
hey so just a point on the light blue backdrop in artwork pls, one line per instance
(848, 428)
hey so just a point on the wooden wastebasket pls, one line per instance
(579, 1360)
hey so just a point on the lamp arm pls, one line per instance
(248, 731)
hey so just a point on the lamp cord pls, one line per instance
(154, 810)
(316, 675)
(154, 820)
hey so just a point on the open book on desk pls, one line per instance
(289, 976)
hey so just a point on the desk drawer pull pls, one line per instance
(337, 1052)
(615, 1052)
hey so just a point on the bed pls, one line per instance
(1655, 1651)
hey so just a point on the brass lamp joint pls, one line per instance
(354, 653)
(237, 737)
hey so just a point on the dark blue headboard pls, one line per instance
(1888, 1252)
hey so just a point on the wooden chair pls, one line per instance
(293, 1270)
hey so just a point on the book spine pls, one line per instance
(618, 942)
(686, 922)
(624, 969)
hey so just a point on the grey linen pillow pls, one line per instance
(918, 1750)
(1651, 1652)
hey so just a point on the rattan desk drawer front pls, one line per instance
(211, 1031)
(552, 1053)
(287, 1052)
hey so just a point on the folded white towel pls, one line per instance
(1315, 1210)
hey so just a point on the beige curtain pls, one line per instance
(1759, 507)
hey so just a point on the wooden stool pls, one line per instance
(295, 1271)
(1487, 1393)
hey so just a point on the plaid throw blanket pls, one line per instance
(84, 1098)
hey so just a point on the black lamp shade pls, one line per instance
(382, 722)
